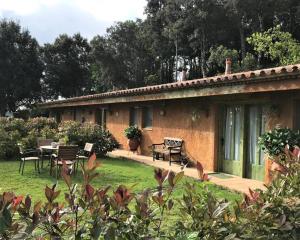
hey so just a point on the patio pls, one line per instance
(231, 182)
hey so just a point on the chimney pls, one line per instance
(228, 66)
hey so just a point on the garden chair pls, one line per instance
(26, 156)
(44, 153)
(85, 153)
(67, 154)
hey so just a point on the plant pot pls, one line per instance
(272, 168)
(133, 144)
(268, 172)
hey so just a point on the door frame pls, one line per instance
(244, 146)
(221, 147)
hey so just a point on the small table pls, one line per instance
(47, 148)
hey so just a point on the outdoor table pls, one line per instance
(47, 148)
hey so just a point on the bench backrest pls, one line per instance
(173, 142)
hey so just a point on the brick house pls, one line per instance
(219, 118)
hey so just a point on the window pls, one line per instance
(147, 117)
(133, 118)
(101, 117)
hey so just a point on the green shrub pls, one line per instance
(13, 124)
(70, 131)
(79, 134)
(8, 144)
(17, 131)
(40, 123)
(273, 143)
(38, 128)
(133, 132)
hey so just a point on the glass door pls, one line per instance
(232, 140)
(255, 165)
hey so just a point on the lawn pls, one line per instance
(112, 172)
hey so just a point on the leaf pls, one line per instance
(37, 207)
(51, 195)
(48, 193)
(160, 175)
(17, 200)
(91, 161)
(178, 177)
(220, 209)
(171, 177)
(200, 169)
(65, 175)
(8, 197)
(89, 191)
(27, 202)
(230, 236)
(170, 204)
(205, 177)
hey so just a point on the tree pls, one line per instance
(120, 59)
(239, 10)
(67, 72)
(279, 46)
(20, 67)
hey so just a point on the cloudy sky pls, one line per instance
(46, 19)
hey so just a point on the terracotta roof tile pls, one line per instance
(210, 81)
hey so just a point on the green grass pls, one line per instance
(112, 172)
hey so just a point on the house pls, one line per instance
(219, 118)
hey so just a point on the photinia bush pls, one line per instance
(104, 213)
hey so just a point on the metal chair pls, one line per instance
(67, 154)
(44, 153)
(85, 153)
(28, 155)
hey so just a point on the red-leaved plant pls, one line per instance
(104, 213)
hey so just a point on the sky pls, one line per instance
(46, 19)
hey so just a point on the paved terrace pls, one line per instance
(227, 181)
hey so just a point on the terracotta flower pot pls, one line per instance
(272, 168)
(133, 144)
(268, 172)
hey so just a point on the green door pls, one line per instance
(255, 165)
(232, 140)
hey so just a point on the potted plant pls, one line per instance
(273, 144)
(133, 133)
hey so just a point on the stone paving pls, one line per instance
(227, 181)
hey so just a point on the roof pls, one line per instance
(263, 75)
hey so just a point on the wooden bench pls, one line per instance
(170, 147)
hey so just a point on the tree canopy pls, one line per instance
(66, 67)
(20, 67)
(194, 34)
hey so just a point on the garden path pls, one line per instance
(225, 180)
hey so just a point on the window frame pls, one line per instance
(133, 116)
(146, 114)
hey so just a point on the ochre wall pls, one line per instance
(188, 120)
